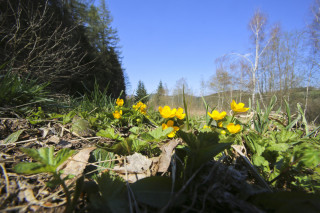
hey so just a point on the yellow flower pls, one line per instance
(220, 124)
(166, 112)
(170, 124)
(233, 128)
(223, 132)
(238, 107)
(140, 107)
(117, 114)
(215, 115)
(206, 127)
(180, 114)
(119, 102)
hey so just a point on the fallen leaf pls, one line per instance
(54, 139)
(13, 137)
(136, 163)
(165, 157)
(76, 165)
(137, 167)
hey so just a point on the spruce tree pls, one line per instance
(141, 93)
(160, 94)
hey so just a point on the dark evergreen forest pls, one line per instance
(68, 43)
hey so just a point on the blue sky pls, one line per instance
(170, 39)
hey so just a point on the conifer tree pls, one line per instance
(141, 93)
(160, 94)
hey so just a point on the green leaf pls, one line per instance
(189, 138)
(135, 130)
(122, 148)
(270, 107)
(294, 122)
(109, 133)
(254, 142)
(153, 191)
(287, 202)
(100, 155)
(277, 147)
(185, 108)
(207, 153)
(111, 195)
(68, 117)
(308, 154)
(139, 145)
(61, 156)
(287, 136)
(13, 137)
(311, 133)
(32, 168)
(304, 120)
(46, 160)
(288, 111)
(258, 160)
(81, 127)
(157, 134)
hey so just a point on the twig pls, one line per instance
(91, 138)
(6, 178)
(82, 138)
(182, 189)
(26, 141)
(255, 173)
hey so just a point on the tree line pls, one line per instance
(279, 62)
(69, 43)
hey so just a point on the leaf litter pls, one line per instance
(219, 185)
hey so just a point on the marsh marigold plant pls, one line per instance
(117, 114)
(140, 107)
(233, 129)
(179, 113)
(223, 132)
(170, 123)
(119, 102)
(238, 107)
(215, 115)
(166, 112)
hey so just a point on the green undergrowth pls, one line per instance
(279, 165)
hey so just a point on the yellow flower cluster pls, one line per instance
(170, 123)
(140, 107)
(231, 127)
(238, 107)
(166, 112)
(119, 102)
(117, 114)
(206, 127)
(215, 115)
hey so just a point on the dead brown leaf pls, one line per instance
(76, 165)
(165, 157)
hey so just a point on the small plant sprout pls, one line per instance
(47, 162)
